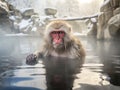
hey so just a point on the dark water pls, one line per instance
(100, 71)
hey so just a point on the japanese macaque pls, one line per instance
(59, 42)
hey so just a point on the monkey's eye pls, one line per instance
(57, 32)
(54, 32)
(61, 32)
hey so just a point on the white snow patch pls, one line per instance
(34, 29)
(79, 34)
(12, 18)
(106, 2)
(25, 9)
(19, 34)
(93, 20)
(24, 23)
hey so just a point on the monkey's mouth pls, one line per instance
(57, 45)
(54, 43)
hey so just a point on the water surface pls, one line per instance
(100, 71)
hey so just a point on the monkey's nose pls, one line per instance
(58, 36)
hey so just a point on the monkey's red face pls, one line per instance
(57, 37)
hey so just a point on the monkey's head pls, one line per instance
(58, 34)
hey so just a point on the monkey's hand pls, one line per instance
(31, 59)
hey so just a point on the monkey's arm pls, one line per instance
(38, 54)
(32, 59)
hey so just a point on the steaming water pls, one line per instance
(100, 71)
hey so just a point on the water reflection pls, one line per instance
(60, 72)
(109, 53)
(110, 57)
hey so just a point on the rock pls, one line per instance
(27, 12)
(101, 23)
(116, 11)
(110, 5)
(35, 19)
(92, 26)
(108, 15)
(4, 10)
(24, 24)
(17, 13)
(107, 19)
(106, 6)
(5, 23)
(107, 33)
(103, 18)
(23, 20)
(114, 25)
(50, 11)
(115, 3)
(87, 21)
(92, 30)
(16, 25)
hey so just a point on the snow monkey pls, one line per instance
(59, 41)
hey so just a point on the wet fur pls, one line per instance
(72, 47)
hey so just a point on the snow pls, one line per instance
(106, 2)
(93, 20)
(24, 24)
(12, 18)
(25, 9)
(34, 29)
(43, 18)
(79, 34)
(19, 34)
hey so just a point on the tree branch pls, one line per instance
(79, 18)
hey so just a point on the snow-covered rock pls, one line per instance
(3, 8)
(114, 25)
(24, 23)
(27, 12)
(50, 11)
(116, 11)
(107, 19)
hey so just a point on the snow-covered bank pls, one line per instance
(79, 34)
(19, 34)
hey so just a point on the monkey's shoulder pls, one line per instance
(76, 43)
(78, 48)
